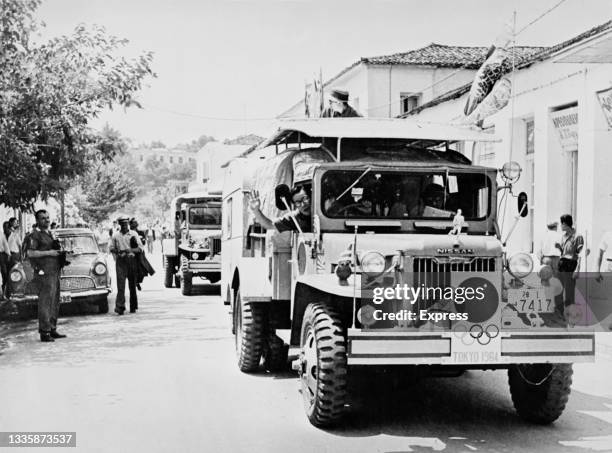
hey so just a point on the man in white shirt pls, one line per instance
(548, 253)
(604, 249)
(124, 249)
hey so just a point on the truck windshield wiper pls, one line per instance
(355, 182)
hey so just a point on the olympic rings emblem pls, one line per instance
(476, 333)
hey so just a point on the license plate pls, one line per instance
(531, 301)
(65, 298)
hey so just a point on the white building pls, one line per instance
(209, 159)
(166, 155)
(390, 85)
(560, 132)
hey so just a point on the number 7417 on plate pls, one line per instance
(531, 300)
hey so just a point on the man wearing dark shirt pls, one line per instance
(338, 106)
(300, 200)
(44, 254)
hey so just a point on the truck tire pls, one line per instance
(323, 365)
(187, 283)
(275, 354)
(169, 272)
(103, 305)
(540, 391)
(250, 326)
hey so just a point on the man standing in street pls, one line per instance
(549, 253)
(570, 245)
(339, 107)
(125, 262)
(45, 255)
(5, 257)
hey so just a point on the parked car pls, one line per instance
(86, 280)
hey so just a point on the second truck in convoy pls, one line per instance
(195, 248)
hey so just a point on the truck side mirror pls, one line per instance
(523, 209)
(282, 192)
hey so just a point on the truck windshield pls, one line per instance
(404, 194)
(205, 215)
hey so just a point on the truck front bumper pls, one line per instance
(450, 348)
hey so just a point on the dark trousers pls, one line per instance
(4, 263)
(566, 272)
(48, 302)
(126, 269)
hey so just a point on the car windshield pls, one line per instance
(205, 215)
(404, 195)
(79, 244)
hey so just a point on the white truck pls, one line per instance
(385, 194)
(195, 249)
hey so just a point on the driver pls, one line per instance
(432, 203)
(300, 200)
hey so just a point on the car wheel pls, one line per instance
(103, 305)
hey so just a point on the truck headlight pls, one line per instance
(195, 256)
(16, 276)
(373, 263)
(99, 269)
(520, 265)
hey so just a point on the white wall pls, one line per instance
(537, 90)
(386, 83)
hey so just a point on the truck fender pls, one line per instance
(255, 285)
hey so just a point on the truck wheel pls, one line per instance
(540, 391)
(177, 280)
(103, 305)
(323, 368)
(250, 322)
(187, 283)
(169, 272)
(275, 354)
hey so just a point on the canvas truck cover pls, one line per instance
(290, 167)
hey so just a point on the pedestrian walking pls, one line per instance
(46, 256)
(124, 251)
(570, 246)
(150, 235)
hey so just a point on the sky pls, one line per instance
(226, 68)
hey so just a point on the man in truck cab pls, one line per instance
(300, 200)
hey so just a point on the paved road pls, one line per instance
(165, 380)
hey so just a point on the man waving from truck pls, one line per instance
(300, 200)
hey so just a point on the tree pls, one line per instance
(108, 185)
(104, 190)
(48, 94)
(198, 144)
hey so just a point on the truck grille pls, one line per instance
(215, 246)
(76, 283)
(434, 265)
(437, 272)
